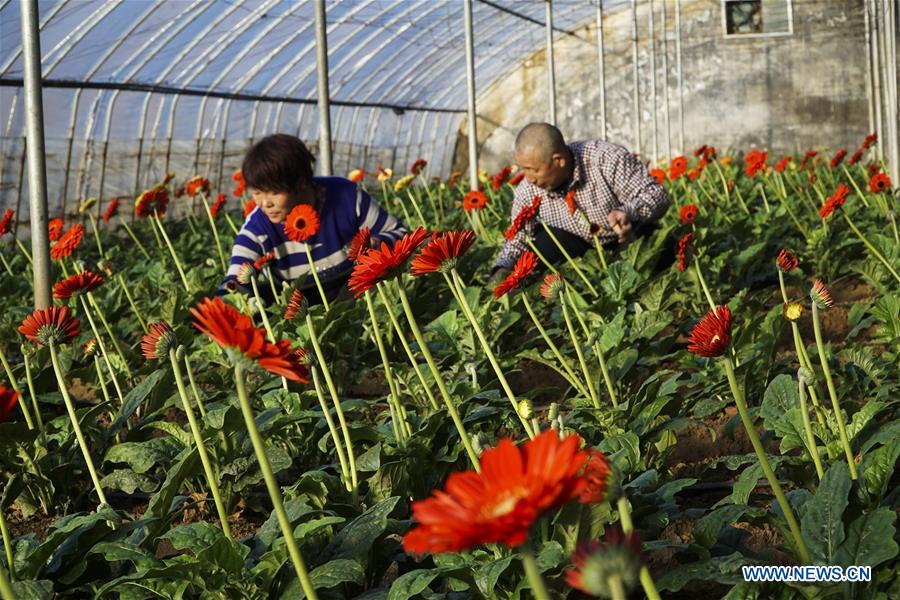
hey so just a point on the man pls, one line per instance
(584, 186)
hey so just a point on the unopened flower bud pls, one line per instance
(554, 411)
(87, 204)
(525, 409)
(806, 376)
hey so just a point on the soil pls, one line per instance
(19, 525)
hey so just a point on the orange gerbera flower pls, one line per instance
(515, 487)
(111, 210)
(782, 164)
(754, 162)
(677, 167)
(302, 223)
(500, 177)
(360, 244)
(879, 183)
(688, 213)
(570, 202)
(263, 260)
(835, 201)
(376, 265)
(241, 186)
(68, 242)
(196, 185)
(158, 341)
(786, 260)
(552, 285)
(217, 205)
(598, 475)
(296, 306)
(474, 200)
(249, 207)
(659, 175)
(153, 200)
(52, 325)
(242, 341)
(55, 228)
(76, 284)
(523, 268)
(684, 247)
(453, 177)
(356, 175)
(442, 252)
(5, 221)
(8, 401)
(712, 334)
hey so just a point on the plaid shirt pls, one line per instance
(606, 177)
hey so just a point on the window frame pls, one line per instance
(742, 36)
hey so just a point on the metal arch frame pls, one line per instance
(665, 68)
(198, 9)
(651, 47)
(47, 19)
(551, 74)
(679, 67)
(636, 91)
(601, 67)
(81, 30)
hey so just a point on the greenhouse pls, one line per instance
(449, 299)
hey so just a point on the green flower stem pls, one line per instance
(7, 545)
(315, 274)
(30, 381)
(415, 205)
(15, 385)
(320, 359)
(112, 372)
(467, 310)
(762, 192)
(231, 224)
(194, 389)
(135, 239)
(412, 359)
(5, 588)
(574, 338)
(802, 356)
(134, 308)
(399, 431)
(6, 265)
(212, 225)
(533, 573)
(702, 281)
(764, 462)
(893, 219)
(871, 248)
(162, 230)
(604, 370)
(417, 333)
(810, 439)
(272, 486)
(208, 470)
(262, 309)
(339, 447)
(835, 404)
(616, 587)
(103, 387)
(627, 527)
(570, 260)
(75, 426)
(96, 234)
(600, 253)
(573, 379)
(93, 302)
(852, 181)
(275, 294)
(547, 263)
(24, 251)
(159, 242)
(406, 215)
(427, 189)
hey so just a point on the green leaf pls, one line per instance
(182, 436)
(33, 590)
(327, 576)
(119, 551)
(870, 540)
(624, 449)
(863, 416)
(613, 332)
(706, 529)
(194, 537)
(486, 576)
(781, 396)
(136, 397)
(355, 540)
(620, 279)
(410, 585)
(740, 493)
(550, 555)
(187, 464)
(877, 467)
(128, 481)
(822, 525)
(723, 569)
(142, 456)
(790, 429)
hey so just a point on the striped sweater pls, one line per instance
(346, 210)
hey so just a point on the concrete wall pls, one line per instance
(802, 90)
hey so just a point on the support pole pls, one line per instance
(895, 103)
(37, 172)
(665, 68)
(325, 162)
(601, 65)
(636, 88)
(651, 47)
(877, 70)
(870, 88)
(551, 74)
(470, 83)
(681, 148)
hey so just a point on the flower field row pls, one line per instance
(720, 393)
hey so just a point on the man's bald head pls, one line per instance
(541, 141)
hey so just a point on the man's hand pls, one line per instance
(620, 223)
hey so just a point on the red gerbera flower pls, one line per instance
(712, 334)
(474, 200)
(834, 201)
(594, 563)
(754, 162)
(515, 486)
(356, 175)
(809, 154)
(249, 207)
(302, 223)
(523, 268)
(869, 141)
(523, 218)
(241, 186)
(378, 264)
(552, 285)
(786, 260)
(235, 332)
(296, 306)
(360, 244)
(570, 202)
(500, 177)
(111, 210)
(52, 325)
(782, 164)
(68, 242)
(79, 283)
(153, 200)
(442, 252)
(217, 205)
(8, 400)
(837, 158)
(700, 150)
(55, 228)
(5, 221)
(856, 157)
(688, 213)
(879, 183)
(263, 260)
(517, 178)
(196, 185)
(658, 174)
(453, 177)
(418, 165)
(597, 474)
(684, 247)
(677, 167)
(820, 295)
(158, 341)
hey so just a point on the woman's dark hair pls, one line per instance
(278, 163)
